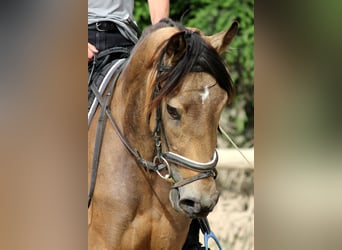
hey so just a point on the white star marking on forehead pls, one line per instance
(205, 94)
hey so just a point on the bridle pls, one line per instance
(162, 159)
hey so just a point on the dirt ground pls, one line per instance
(232, 220)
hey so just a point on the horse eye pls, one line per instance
(173, 112)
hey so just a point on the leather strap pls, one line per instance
(100, 131)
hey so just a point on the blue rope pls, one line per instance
(205, 228)
(209, 235)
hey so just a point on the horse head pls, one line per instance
(190, 90)
(186, 91)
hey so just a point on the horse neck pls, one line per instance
(129, 103)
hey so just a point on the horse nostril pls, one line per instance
(189, 203)
(190, 206)
(198, 208)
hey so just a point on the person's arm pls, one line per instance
(159, 9)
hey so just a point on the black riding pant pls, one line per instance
(105, 35)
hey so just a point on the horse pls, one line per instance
(156, 167)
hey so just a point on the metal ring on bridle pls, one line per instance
(163, 161)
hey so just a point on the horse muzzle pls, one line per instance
(192, 205)
(195, 196)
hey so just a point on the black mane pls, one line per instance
(199, 56)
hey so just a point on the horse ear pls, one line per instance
(176, 46)
(221, 41)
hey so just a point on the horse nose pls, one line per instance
(198, 207)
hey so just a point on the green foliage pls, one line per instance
(212, 17)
